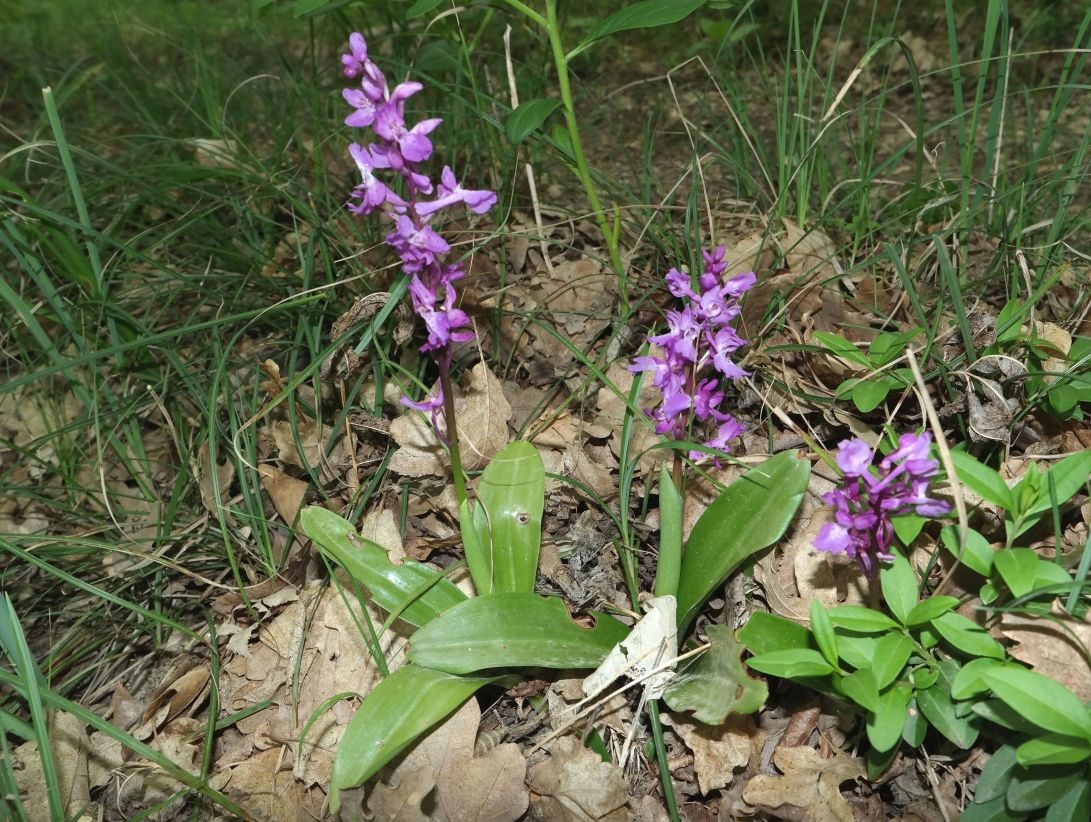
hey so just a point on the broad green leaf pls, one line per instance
(860, 687)
(968, 682)
(843, 348)
(822, 629)
(967, 636)
(998, 713)
(916, 726)
(1041, 786)
(751, 514)
(422, 7)
(1054, 749)
(891, 653)
(716, 684)
(473, 524)
(668, 566)
(512, 630)
(936, 705)
(978, 555)
(995, 810)
(646, 14)
(1040, 700)
(884, 725)
(929, 609)
(868, 394)
(860, 619)
(412, 590)
(899, 584)
(527, 118)
(800, 662)
(908, 527)
(982, 480)
(765, 632)
(996, 775)
(858, 650)
(1018, 567)
(1074, 804)
(1069, 475)
(512, 492)
(397, 711)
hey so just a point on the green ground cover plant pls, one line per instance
(664, 409)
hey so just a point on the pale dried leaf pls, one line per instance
(71, 748)
(287, 493)
(810, 782)
(401, 800)
(311, 436)
(651, 642)
(718, 750)
(225, 474)
(1054, 646)
(575, 785)
(381, 527)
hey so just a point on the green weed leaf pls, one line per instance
(1018, 567)
(764, 633)
(891, 653)
(513, 630)
(716, 684)
(967, 636)
(751, 514)
(884, 725)
(528, 118)
(899, 584)
(822, 629)
(800, 662)
(1054, 749)
(862, 620)
(412, 590)
(643, 15)
(397, 711)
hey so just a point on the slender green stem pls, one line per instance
(661, 760)
(527, 12)
(611, 236)
(452, 427)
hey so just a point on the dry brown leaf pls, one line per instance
(401, 800)
(1054, 646)
(717, 749)
(575, 785)
(71, 748)
(468, 788)
(268, 790)
(311, 435)
(225, 474)
(380, 526)
(809, 253)
(482, 413)
(287, 493)
(810, 782)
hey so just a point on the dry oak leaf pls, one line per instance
(401, 800)
(810, 782)
(717, 749)
(71, 748)
(468, 788)
(286, 492)
(482, 415)
(576, 785)
(1054, 647)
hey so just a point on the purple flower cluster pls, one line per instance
(398, 150)
(868, 499)
(698, 336)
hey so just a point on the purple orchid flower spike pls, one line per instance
(396, 155)
(698, 336)
(868, 499)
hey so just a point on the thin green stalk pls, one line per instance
(609, 232)
(661, 760)
(452, 429)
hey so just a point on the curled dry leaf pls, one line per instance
(810, 782)
(575, 785)
(380, 526)
(287, 493)
(482, 414)
(468, 788)
(718, 750)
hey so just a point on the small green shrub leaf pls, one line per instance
(891, 653)
(982, 480)
(884, 725)
(967, 636)
(1039, 700)
(800, 662)
(899, 584)
(1053, 749)
(642, 15)
(862, 620)
(765, 632)
(930, 609)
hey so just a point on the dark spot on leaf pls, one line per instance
(522, 518)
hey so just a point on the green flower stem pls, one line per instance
(611, 236)
(528, 12)
(452, 427)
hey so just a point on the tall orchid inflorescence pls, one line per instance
(868, 499)
(399, 149)
(699, 339)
